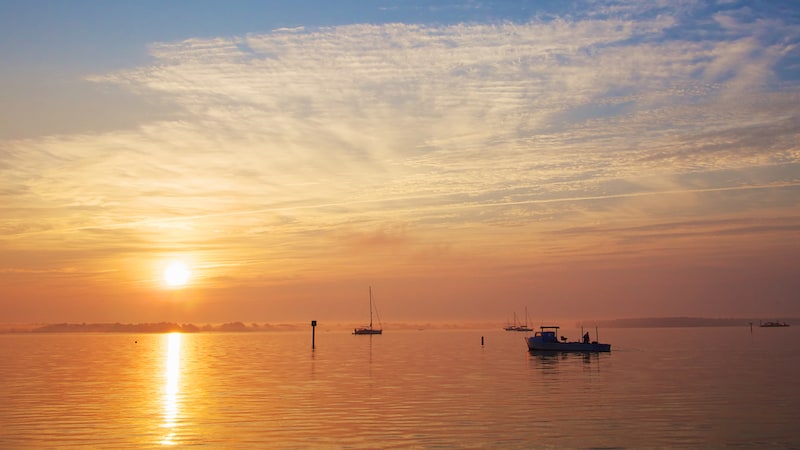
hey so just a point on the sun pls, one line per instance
(177, 274)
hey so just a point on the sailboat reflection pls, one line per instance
(172, 386)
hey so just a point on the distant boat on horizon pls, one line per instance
(772, 324)
(370, 329)
(517, 327)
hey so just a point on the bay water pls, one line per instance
(658, 388)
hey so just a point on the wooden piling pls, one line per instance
(313, 330)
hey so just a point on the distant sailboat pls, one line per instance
(518, 327)
(370, 329)
(512, 326)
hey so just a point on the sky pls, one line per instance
(466, 159)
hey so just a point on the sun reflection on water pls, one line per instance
(172, 386)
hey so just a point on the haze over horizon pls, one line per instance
(196, 162)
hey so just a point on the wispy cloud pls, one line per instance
(384, 131)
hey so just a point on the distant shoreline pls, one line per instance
(171, 327)
(681, 322)
(160, 327)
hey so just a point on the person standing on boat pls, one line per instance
(586, 338)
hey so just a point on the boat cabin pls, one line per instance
(547, 334)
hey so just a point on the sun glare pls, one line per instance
(172, 388)
(176, 274)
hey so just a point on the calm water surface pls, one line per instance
(688, 387)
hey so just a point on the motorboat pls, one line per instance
(547, 339)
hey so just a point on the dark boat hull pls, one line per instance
(367, 331)
(538, 346)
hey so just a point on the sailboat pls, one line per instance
(516, 326)
(369, 329)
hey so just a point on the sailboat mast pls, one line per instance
(370, 307)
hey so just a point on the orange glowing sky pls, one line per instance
(610, 163)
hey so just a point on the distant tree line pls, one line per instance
(672, 322)
(160, 327)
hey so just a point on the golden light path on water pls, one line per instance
(172, 386)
